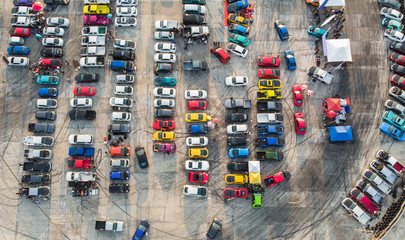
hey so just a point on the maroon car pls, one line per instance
(50, 62)
(269, 73)
(235, 193)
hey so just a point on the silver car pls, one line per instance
(165, 47)
(395, 107)
(356, 210)
(377, 181)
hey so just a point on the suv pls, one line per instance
(119, 188)
(141, 156)
(220, 53)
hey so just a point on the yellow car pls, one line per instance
(313, 2)
(236, 179)
(164, 136)
(96, 9)
(269, 83)
(232, 18)
(198, 152)
(269, 94)
(196, 117)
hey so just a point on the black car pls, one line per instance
(232, 1)
(41, 128)
(37, 166)
(193, 19)
(215, 228)
(236, 141)
(390, 3)
(163, 68)
(398, 69)
(237, 117)
(163, 113)
(52, 52)
(398, 47)
(141, 156)
(270, 106)
(82, 114)
(36, 179)
(122, 54)
(87, 77)
(45, 115)
(56, 2)
(119, 188)
(238, 166)
(119, 128)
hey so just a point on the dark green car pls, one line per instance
(201, 2)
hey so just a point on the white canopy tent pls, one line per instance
(333, 3)
(254, 166)
(337, 50)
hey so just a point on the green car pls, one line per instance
(257, 197)
(165, 81)
(15, 40)
(394, 120)
(238, 39)
(393, 24)
(201, 2)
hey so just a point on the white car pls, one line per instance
(81, 139)
(165, 58)
(21, 11)
(13, 40)
(123, 90)
(38, 141)
(196, 141)
(81, 102)
(164, 35)
(195, 94)
(391, 13)
(164, 92)
(18, 61)
(122, 78)
(196, 165)
(236, 129)
(124, 44)
(54, 31)
(57, 22)
(194, 9)
(125, 22)
(47, 103)
(119, 163)
(52, 42)
(394, 35)
(197, 191)
(164, 103)
(236, 81)
(20, 21)
(356, 210)
(121, 116)
(237, 50)
(127, 3)
(377, 181)
(121, 102)
(127, 12)
(165, 47)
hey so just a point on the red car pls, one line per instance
(20, 32)
(398, 80)
(220, 53)
(84, 91)
(268, 62)
(299, 120)
(50, 62)
(198, 177)
(164, 124)
(364, 201)
(269, 73)
(297, 95)
(197, 105)
(164, 147)
(271, 180)
(81, 163)
(398, 58)
(235, 193)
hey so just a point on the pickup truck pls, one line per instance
(95, 20)
(35, 154)
(119, 188)
(93, 41)
(269, 94)
(41, 128)
(92, 62)
(272, 118)
(269, 106)
(81, 163)
(320, 74)
(111, 225)
(96, 1)
(20, 22)
(37, 166)
(38, 141)
(81, 176)
(166, 25)
(92, 51)
(269, 129)
(94, 31)
(269, 155)
(196, 65)
(22, 11)
(81, 151)
(270, 141)
(82, 114)
(196, 31)
(122, 66)
(238, 103)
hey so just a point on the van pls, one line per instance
(121, 116)
(81, 139)
(119, 163)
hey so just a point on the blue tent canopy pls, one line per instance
(341, 133)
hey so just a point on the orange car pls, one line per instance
(119, 151)
(313, 2)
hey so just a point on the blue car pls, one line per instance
(119, 175)
(79, 151)
(237, 6)
(198, 129)
(290, 59)
(18, 50)
(48, 92)
(270, 141)
(317, 32)
(122, 66)
(54, 80)
(238, 152)
(392, 131)
(238, 29)
(142, 229)
(269, 129)
(281, 30)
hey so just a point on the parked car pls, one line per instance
(57, 22)
(23, 2)
(18, 61)
(165, 58)
(118, 188)
(281, 30)
(391, 13)
(236, 179)
(198, 129)
(237, 129)
(192, 190)
(52, 42)
(385, 172)
(197, 105)
(87, 77)
(197, 165)
(297, 95)
(164, 92)
(196, 141)
(119, 175)
(390, 161)
(164, 103)
(395, 107)
(164, 113)
(20, 32)
(237, 50)
(236, 140)
(163, 68)
(123, 90)
(238, 167)
(238, 39)
(195, 94)
(124, 44)
(238, 152)
(356, 211)
(141, 156)
(220, 53)
(15, 40)
(370, 191)
(235, 193)
(45, 115)
(237, 117)
(37, 166)
(121, 116)
(48, 92)
(127, 3)
(198, 153)
(81, 139)
(300, 126)
(197, 177)
(125, 22)
(270, 129)
(237, 6)
(193, 19)
(120, 151)
(165, 47)
(162, 35)
(398, 80)
(81, 102)
(50, 62)
(124, 78)
(194, 9)
(121, 102)
(18, 50)
(118, 129)
(377, 181)
(233, 18)
(53, 31)
(389, 3)
(144, 225)
(394, 35)
(290, 59)
(269, 73)
(272, 180)
(215, 228)
(38, 141)
(84, 91)
(126, 12)
(164, 136)
(164, 124)
(392, 24)
(52, 52)
(196, 117)
(164, 147)
(394, 120)
(397, 94)
(239, 29)
(397, 58)
(316, 31)
(47, 103)
(364, 201)
(269, 83)
(392, 131)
